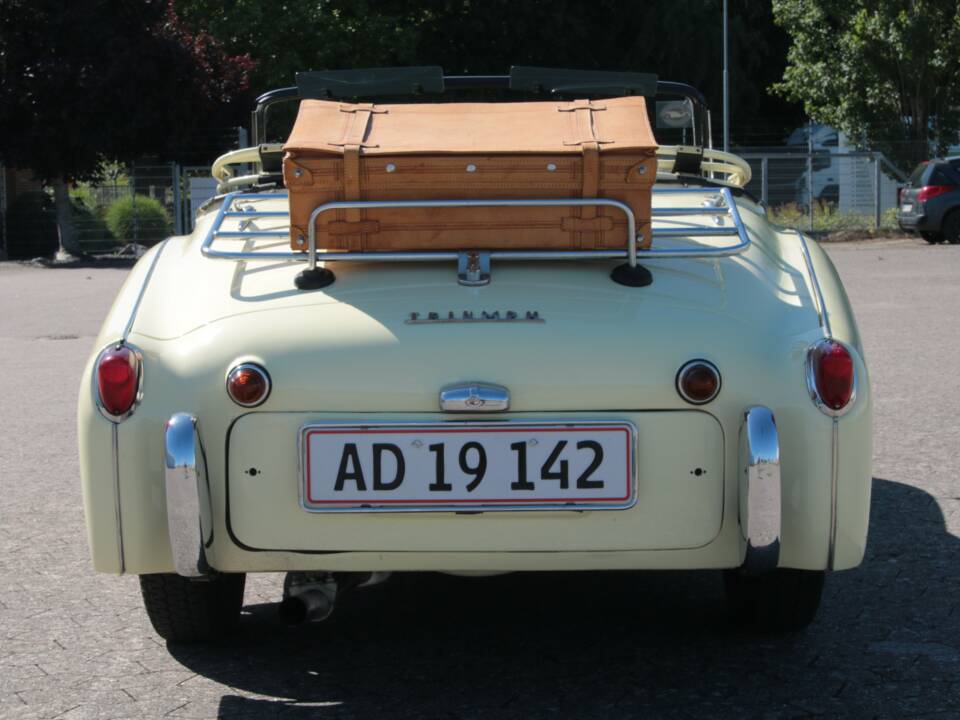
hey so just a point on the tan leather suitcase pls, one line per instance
(453, 151)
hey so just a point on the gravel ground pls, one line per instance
(887, 642)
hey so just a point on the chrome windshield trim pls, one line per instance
(760, 489)
(474, 397)
(189, 509)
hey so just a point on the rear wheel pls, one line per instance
(951, 227)
(931, 237)
(183, 610)
(784, 600)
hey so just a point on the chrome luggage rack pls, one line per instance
(474, 265)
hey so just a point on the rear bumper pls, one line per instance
(189, 517)
(913, 223)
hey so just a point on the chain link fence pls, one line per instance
(825, 192)
(129, 208)
(134, 207)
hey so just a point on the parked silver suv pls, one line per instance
(930, 203)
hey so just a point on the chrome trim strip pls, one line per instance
(115, 449)
(143, 290)
(760, 489)
(631, 253)
(474, 397)
(821, 308)
(189, 509)
(817, 292)
(571, 507)
(834, 476)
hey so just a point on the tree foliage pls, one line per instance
(678, 39)
(883, 71)
(86, 79)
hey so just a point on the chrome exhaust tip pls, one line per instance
(310, 605)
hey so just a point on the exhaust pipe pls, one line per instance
(311, 597)
(310, 604)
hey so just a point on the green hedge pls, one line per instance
(138, 218)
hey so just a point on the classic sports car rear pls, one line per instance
(692, 397)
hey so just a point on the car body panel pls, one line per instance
(602, 351)
(679, 496)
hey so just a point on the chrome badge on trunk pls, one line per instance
(468, 316)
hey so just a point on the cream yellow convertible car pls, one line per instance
(477, 413)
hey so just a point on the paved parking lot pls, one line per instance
(74, 644)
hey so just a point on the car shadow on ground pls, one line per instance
(621, 644)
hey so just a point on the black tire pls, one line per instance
(784, 600)
(183, 610)
(951, 227)
(931, 237)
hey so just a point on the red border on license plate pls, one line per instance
(496, 466)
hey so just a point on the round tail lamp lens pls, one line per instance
(831, 366)
(118, 379)
(248, 385)
(698, 382)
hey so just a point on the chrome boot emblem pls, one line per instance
(474, 397)
(470, 316)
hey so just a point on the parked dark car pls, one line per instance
(930, 202)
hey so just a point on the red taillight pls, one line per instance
(248, 384)
(928, 192)
(698, 382)
(118, 379)
(831, 374)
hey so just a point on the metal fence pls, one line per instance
(819, 192)
(130, 207)
(823, 191)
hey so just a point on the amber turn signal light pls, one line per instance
(698, 382)
(248, 384)
(118, 381)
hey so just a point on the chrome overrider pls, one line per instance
(760, 489)
(189, 511)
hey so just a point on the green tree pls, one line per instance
(883, 71)
(678, 39)
(85, 79)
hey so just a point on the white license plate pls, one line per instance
(474, 466)
(906, 207)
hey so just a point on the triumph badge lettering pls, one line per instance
(472, 316)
